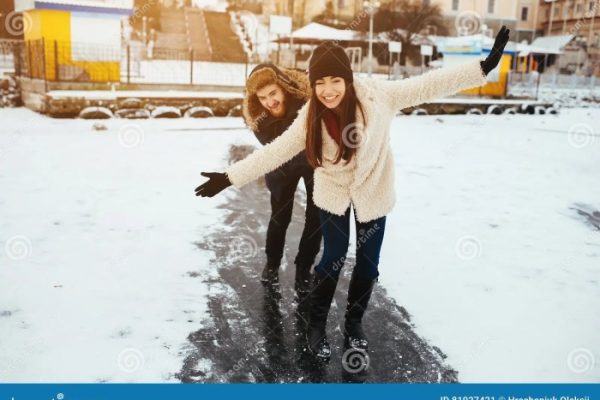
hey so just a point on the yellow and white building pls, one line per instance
(74, 37)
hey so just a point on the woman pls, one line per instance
(353, 165)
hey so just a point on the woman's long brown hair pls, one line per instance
(314, 132)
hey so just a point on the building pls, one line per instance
(74, 39)
(487, 16)
(575, 17)
(528, 13)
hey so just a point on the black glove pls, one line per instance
(496, 54)
(217, 181)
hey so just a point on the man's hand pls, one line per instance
(495, 55)
(217, 181)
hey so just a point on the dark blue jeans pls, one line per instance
(336, 236)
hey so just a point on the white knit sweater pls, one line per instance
(367, 181)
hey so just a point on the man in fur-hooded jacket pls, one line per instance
(271, 103)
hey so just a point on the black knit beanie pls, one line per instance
(329, 59)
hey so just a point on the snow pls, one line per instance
(500, 189)
(97, 232)
(318, 31)
(109, 95)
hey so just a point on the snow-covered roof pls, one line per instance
(544, 45)
(552, 44)
(316, 31)
(415, 38)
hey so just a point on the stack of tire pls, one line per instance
(133, 108)
(9, 93)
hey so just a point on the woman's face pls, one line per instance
(330, 90)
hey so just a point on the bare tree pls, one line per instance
(404, 20)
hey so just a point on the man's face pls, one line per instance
(272, 97)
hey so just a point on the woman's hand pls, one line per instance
(217, 181)
(495, 55)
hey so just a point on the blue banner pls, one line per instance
(300, 391)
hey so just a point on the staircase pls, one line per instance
(209, 34)
(197, 33)
(172, 41)
(225, 43)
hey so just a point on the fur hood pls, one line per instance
(294, 82)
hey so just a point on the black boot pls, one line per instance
(320, 300)
(270, 274)
(302, 281)
(359, 293)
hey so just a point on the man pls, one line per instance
(271, 103)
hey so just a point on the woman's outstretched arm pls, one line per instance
(264, 160)
(445, 81)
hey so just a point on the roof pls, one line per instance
(552, 44)
(92, 3)
(124, 7)
(315, 32)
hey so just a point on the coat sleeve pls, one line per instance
(261, 136)
(432, 84)
(273, 155)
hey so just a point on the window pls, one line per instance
(524, 12)
(490, 6)
(454, 5)
(547, 13)
(426, 3)
(591, 5)
(578, 8)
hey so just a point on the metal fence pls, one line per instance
(55, 61)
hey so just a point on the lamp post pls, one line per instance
(371, 6)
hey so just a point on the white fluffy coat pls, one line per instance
(367, 181)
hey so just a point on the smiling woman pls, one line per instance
(330, 91)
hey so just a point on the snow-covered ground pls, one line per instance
(97, 232)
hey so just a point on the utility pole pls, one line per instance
(551, 16)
